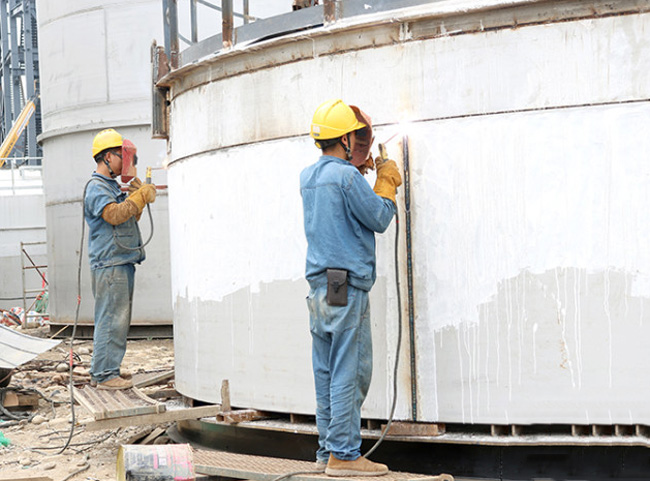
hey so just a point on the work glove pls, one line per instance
(369, 164)
(146, 194)
(388, 178)
(134, 185)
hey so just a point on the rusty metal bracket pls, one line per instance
(329, 11)
(227, 23)
(159, 95)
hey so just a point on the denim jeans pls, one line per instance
(342, 364)
(113, 291)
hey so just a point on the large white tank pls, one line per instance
(528, 175)
(96, 73)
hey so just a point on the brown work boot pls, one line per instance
(359, 467)
(124, 375)
(320, 466)
(115, 384)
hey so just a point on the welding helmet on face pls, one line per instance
(364, 138)
(106, 139)
(333, 119)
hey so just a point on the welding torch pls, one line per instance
(383, 153)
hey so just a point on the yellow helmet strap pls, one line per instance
(107, 163)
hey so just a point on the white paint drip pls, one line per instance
(487, 358)
(509, 335)
(535, 327)
(609, 325)
(461, 375)
(577, 324)
(561, 316)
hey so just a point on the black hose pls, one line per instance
(76, 316)
(399, 341)
(146, 242)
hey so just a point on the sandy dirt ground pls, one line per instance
(35, 445)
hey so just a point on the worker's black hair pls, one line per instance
(327, 143)
(101, 156)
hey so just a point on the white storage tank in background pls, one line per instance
(96, 73)
(529, 182)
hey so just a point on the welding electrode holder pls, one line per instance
(382, 157)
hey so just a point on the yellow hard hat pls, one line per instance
(334, 119)
(106, 139)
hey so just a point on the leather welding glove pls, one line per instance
(388, 179)
(146, 194)
(134, 185)
(369, 164)
(116, 214)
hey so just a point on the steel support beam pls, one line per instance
(29, 22)
(6, 70)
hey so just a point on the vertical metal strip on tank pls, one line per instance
(409, 267)
(227, 23)
(194, 22)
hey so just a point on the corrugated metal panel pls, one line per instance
(17, 348)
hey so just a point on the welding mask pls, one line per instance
(129, 161)
(364, 138)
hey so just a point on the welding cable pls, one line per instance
(146, 242)
(80, 470)
(76, 317)
(395, 368)
(399, 341)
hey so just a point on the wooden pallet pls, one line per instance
(262, 468)
(107, 404)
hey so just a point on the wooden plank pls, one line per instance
(225, 395)
(28, 478)
(151, 379)
(141, 433)
(402, 428)
(145, 419)
(164, 394)
(239, 416)
(14, 400)
(105, 404)
(152, 435)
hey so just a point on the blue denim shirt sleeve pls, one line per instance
(373, 211)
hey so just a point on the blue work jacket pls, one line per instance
(103, 250)
(342, 214)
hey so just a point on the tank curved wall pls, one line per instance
(96, 73)
(528, 182)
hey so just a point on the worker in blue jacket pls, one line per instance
(114, 247)
(341, 215)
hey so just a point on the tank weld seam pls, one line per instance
(416, 121)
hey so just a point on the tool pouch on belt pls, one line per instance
(337, 287)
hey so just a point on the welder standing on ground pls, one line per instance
(114, 247)
(341, 214)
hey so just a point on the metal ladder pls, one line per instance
(39, 269)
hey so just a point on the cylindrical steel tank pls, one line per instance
(96, 73)
(525, 124)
